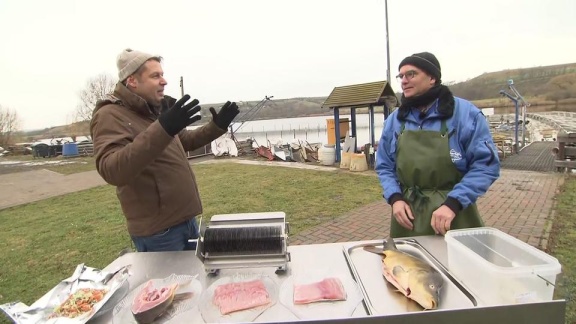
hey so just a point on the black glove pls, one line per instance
(226, 115)
(177, 117)
(170, 100)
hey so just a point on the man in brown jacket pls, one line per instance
(140, 140)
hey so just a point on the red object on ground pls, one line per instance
(265, 152)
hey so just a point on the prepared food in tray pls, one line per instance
(76, 299)
(79, 303)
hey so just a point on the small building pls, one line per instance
(364, 95)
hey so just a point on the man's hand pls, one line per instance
(177, 117)
(403, 214)
(441, 219)
(170, 100)
(226, 115)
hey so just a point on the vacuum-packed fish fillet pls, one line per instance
(151, 303)
(329, 289)
(237, 296)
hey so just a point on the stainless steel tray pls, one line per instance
(381, 298)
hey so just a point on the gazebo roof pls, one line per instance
(359, 95)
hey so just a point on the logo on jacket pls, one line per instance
(455, 156)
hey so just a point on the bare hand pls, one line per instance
(403, 214)
(441, 219)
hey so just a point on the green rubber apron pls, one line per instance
(427, 174)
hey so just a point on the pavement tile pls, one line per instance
(519, 203)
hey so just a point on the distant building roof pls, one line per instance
(360, 95)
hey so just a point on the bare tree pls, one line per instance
(9, 124)
(96, 88)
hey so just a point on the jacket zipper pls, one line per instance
(492, 154)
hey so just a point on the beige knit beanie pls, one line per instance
(129, 61)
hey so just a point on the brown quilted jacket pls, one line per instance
(154, 182)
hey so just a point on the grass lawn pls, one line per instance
(561, 246)
(41, 243)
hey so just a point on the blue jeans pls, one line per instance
(174, 238)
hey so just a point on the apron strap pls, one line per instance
(443, 128)
(416, 198)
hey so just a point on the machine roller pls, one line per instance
(244, 241)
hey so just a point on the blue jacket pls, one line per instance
(471, 148)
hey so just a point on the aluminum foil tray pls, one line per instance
(114, 286)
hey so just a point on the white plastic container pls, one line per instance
(500, 269)
(327, 154)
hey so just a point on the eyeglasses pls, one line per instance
(409, 75)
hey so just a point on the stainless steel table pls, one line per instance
(304, 258)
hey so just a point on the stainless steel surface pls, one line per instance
(381, 297)
(152, 265)
(436, 246)
(310, 257)
(214, 262)
(540, 313)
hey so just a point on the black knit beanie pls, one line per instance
(426, 62)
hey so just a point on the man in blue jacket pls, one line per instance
(436, 155)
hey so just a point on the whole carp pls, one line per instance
(413, 277)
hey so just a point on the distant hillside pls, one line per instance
(547, 85)
(542, 85)
(285, 108)
(555, 82)
(71, 130)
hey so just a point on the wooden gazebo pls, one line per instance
(355, 96)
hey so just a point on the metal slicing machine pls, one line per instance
(247, 240)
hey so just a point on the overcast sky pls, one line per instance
(247, 49)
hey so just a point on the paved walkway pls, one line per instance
(25, 187)
(537, 156)
(519, 203)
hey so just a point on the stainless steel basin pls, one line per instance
(382, 298)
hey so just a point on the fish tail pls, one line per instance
(389, 244)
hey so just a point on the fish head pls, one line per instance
(425, 288)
